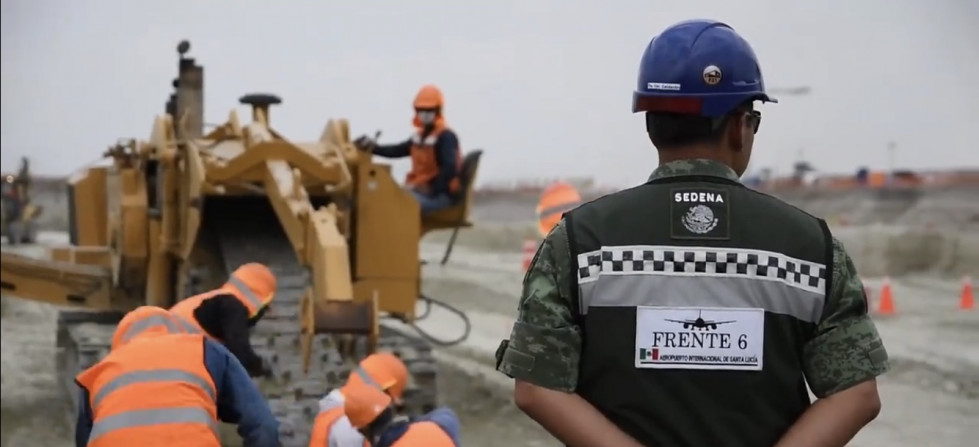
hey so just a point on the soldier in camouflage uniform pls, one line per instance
(691, 310)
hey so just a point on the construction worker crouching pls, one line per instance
(227, 313)
(436, 157)
(160, 386)
(372, 412)
(382, 369)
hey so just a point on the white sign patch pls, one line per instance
(662, 86)
(700, 338)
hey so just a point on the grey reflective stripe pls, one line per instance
(157, 375)
(366, 378)
(245, 291)
(187, 326)
(564, 207)
(143, 418)
(428, 141)
(153, 320)
(701, 276)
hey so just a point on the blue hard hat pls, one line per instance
(698, 67)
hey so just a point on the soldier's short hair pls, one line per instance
(673, 130)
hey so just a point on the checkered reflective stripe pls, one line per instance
(701, 261)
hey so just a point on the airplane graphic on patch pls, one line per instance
(700, 323)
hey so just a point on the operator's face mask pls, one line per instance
(426, 116)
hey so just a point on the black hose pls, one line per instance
(426, 311)
(431, 338)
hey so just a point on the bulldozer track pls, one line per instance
(84, 337)
(292, 395)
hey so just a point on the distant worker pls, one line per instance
(436, 157)
(227, 313)
(691, 310)
(556, 200)
(161, 387)
(371, 411)
(382, 369)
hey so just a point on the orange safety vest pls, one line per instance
(148, 318)
(322, 426)
(424, 165)
(184, 310)
(424, 434)
(153, 392)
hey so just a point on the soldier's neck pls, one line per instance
(696, 152)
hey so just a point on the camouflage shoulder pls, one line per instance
(549, 273)
(847, 290)
(847, 348)
(545, 342)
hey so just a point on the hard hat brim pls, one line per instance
(709, 105)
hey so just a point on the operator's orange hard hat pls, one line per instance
(254, 284)
(557, 199)
(383, 370)
(364, 403)
(429, 97)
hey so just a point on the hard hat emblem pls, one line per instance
(712, 75)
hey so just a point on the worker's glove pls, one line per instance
(365, 143)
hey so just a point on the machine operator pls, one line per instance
(436, 157)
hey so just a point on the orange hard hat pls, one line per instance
(557, 199)
(255, 284)
(429, 97)
(145, 321)
(363, 403)
(383, 370)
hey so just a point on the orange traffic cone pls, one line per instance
(886, 304)
(529, 250)
(967, 300)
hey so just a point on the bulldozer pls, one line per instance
(170, 217)
(18, 214)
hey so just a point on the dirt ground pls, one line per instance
(931, 396)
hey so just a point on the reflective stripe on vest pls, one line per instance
(429, 140)
(143, 418)
(187, 326)
(648, 275)
(172, 324)
(160, 375)
(246, 292)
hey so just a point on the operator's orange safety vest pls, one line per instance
(324, 424)
(184, 310)
(153, 392)
(424, 164)
(424, 434)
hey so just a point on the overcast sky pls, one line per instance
(544, 86)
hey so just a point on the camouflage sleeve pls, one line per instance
(846, 348)
(545, 342)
